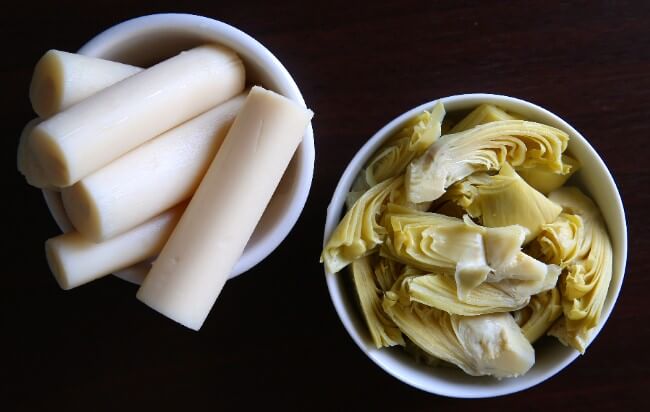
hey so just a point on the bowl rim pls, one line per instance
(304, 157)
(337, 292)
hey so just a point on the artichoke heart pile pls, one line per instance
(465, 246)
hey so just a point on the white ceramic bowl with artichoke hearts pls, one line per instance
(149, 39)
(550, 355)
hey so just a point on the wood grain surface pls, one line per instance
(273, 340)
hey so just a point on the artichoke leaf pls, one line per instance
(405, 228)
(485, 113)
(387, 271)
(392, 159)
(496, 343)
(505, 199)
(450, 248)
(483, 148)
(586, 278)
(439, 291)
(540, 314)
(519, 288)
(358, 233)
(471, 253)
(398, 197)
(546, 180)
(383, 331)
(558, 241)
(389, 161)
(480, 345)
(430, 329)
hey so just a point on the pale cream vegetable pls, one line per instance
(62, 79)
(75, 260)
(149, 179)
(89, 135)
(193, 266)
(23, 159)
(136, 273)
(26, 163)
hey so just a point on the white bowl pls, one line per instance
(551, 356)
(149, 39)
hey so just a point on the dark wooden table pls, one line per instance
(273, 339)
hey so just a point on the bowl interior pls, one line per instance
(551, 356)
(146, 40)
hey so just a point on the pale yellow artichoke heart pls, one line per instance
(518, 288)
(479, 345)
(383, 330)
(430, 329)
(559, 241)
(358, 233)
(505, 199)
(485, 113)
(404, 243)
(398, 197)
(483, 148)
(387, 271)
(426, 128)
(472, 253)
(392, 159)
(546, 180)
(586, 279)
(503, 249)
(514, 272)
(389, 161)
(439, 291)
(496, 343)
(540, 314)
